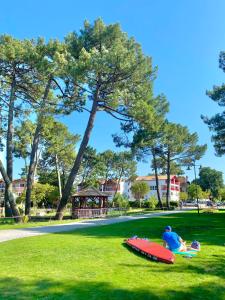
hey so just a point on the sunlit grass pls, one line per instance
(94, 264)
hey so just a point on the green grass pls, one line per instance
(94, 264)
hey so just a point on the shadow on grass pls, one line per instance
(215, 265)
(14, 289)
(208, 229)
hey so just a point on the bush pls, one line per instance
(120, 201)
(174, 203)
(151, 202)
(25, 219)
(134, 204)
(163, 204)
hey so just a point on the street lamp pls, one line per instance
(189, 168)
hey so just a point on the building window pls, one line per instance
(153, 187)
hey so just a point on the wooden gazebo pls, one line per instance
(89, 203)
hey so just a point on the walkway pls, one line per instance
(12, 234)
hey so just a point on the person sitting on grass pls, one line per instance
(173, 241)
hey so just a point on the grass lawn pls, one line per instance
(94, 264)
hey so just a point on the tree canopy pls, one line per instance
(216, 123)
(212, 180)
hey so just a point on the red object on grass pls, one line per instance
(152, 250)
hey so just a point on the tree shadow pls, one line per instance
(208, 229)
(45, 289)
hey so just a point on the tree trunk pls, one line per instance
(9, 146)
(63, 177)
(78, 160)
(156, 177)
(10, 195)
(37, 158)
(168, 180)
(58, 175)
(34, 149)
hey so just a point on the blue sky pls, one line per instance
(184, 38)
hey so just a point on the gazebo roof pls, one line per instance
(90, 192)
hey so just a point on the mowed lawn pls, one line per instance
(94, 263)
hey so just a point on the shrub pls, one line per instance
(174, 203)
(25, 219)
(151, 202)
(120, 201)
(134, 204)
(163, 203)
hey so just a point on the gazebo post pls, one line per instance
(104, 202)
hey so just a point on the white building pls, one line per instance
(125, 187)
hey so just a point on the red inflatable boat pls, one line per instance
(152, 250)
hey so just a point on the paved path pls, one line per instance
(12, 234)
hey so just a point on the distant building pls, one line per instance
(151, 181)
(124, 187)
(19, 186)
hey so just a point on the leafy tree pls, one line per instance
(51, 58)
(183, 196)
(47, 175)
(16, 73)
(216, 123)
(124, 166)
(147, 134)
(194, 191)
(23, 141)
(139, 189)
(175, 168)
(58, 148)
(211, 179)
(42, 194)
(112, 70)
(222, 194)
(180, 146)
(109, 160)
(91, 169)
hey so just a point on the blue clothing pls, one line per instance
(172, 240)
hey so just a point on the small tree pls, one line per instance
(139, 190)
(42, 194)
(183, 196)
(194, 191)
